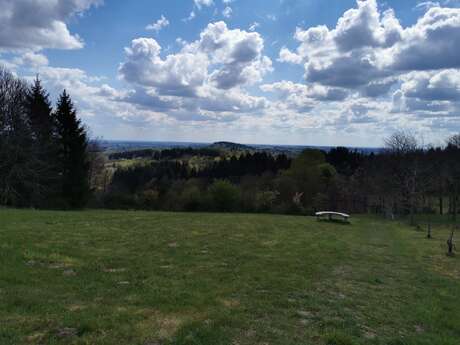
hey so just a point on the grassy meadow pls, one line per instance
(147, 278)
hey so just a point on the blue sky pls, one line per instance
(336, 72)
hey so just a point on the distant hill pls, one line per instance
(112, 146)
(226, 145)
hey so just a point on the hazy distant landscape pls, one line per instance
(116, 145)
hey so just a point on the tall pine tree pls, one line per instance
(73, 142)
(42, 126)
(40, 113)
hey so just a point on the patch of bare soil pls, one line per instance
(67, 332)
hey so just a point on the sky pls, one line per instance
(294, 72)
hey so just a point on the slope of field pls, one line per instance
(108, 277)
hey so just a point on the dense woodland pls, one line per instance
(47, 161)
(44, 152)
(405, 179)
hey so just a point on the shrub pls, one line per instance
(149, 199)
(120, 201)
(265, 200)
(225, 196)
(191, 199)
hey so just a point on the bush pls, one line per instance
(191, 199)
(120, 201)
(149, 199)
(224, 195)
(265, 200)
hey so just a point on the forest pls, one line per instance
(405, 179)
(48, 160)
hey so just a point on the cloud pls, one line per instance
(203, 3)
(429, 94)
(422, 98)
(348, 55)
(254, 26)
(238, 52)
(432, 43)
(367, 74)
(426, 5)
(228, 101)
(378, 88)
(208, 103)
(313, 92)
(191, 16)
(346, 69)
(368, 55)
(236, 56)
(227, 12)
(368, 46)
(149, 99)
(351, 71)
(287, 56)
(366, 27)
(31, 59)
(158, 25)
(178, 74)
(302, 99)
(206, 76)
(100, 105)
(433, 86)
(36, 25)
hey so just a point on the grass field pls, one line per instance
(139, 278)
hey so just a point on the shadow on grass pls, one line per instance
(335, 221)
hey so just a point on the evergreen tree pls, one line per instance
(42, 127)
(40, 113)
(73, 142)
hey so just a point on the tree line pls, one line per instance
(174, 153)
(176, 185)
(44, 151)
(405, 178)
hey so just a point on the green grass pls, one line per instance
(109, 277)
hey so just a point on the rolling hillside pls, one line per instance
(110, 277)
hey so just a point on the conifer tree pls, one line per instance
(40, 113)
(73, 143)
(43, 135)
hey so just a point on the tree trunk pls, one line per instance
(450, 244)
(454, 208)
(441, 206)
(411, 210)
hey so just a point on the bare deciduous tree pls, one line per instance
(401, 142)
(18, 166)
(402, 148)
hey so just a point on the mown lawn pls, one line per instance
(140, 278)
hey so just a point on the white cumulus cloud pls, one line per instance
(36, 25)
(158, 25)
